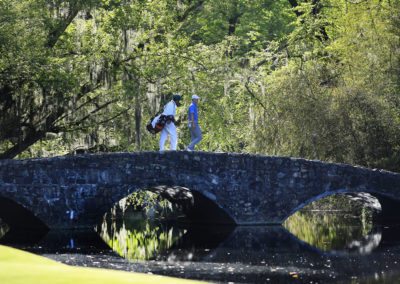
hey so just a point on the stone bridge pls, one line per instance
(76, 191)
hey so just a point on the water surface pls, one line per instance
(332, 251)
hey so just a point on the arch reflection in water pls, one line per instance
(138, 238)
(336, 230)
(368, 243)
(3, 228)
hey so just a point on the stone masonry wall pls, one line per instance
(75, 191)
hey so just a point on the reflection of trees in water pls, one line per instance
(330, 231)
(367, 244)
(132, 227)
(138, 239)
(3, 229)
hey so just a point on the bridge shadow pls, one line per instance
(228, 253)
(197, 208)
(390, 209)
(255, 242)
(18, 217)
(256, 253)
(208, 239)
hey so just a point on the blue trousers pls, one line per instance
(195, 133)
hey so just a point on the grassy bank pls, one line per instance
(19, 267)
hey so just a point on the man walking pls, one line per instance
(195, 131)
(169, 128)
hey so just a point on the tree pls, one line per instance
(317, 79)
(64, 66)
(37, 83)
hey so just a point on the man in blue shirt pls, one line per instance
(194, 127)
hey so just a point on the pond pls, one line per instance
(311, 247)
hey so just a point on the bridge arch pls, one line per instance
(387, 207)
(17, 216)
(197, 207)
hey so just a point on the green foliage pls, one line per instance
(335, 100)
(255, 23)
(147, 201)
(319, 80)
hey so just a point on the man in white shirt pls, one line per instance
(169, 128)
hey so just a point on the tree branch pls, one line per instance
(190, 9)
(99, 108)
(254, 96)
(21, 146)
(101, 122)
(60, 28)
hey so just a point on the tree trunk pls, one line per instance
(31, 139)
(315, 12)
(138, 121)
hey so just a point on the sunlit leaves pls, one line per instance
(319, 81)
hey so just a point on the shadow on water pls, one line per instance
(339, 251)
(334, 249)
(257, 254)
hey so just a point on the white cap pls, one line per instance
(194, 97)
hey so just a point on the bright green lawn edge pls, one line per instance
(19, 267)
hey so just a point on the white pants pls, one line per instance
(170, 130)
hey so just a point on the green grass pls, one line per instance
(19, 267)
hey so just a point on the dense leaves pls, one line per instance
(317, 79)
